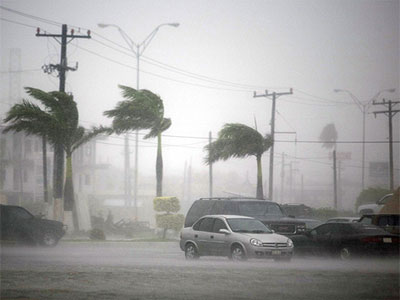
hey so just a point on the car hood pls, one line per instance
(267, 237)
(47, 222)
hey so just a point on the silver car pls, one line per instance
(237, 237)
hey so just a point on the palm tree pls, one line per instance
(329, 136)
(238, 140)
(58, 121)
(142, 109)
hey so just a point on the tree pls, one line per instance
(58, 121)
(238, 140)
(142, 109)
(329, 136)
(170, 219)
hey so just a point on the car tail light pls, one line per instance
(372, 239)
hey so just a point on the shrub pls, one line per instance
(97, 234)
(169, 219)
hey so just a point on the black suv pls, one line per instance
(268, 212)
(19, 224)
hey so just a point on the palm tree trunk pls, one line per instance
(44, 151)
(69, 198)
(260, 193)
(159, 167)
(58, 181)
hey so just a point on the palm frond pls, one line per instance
(237, 140)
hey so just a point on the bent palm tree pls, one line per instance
(58, 121)
(142, 109)
(238, 140)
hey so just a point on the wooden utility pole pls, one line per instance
(390, 113)
(210, 167)
(61, 68)
(334, 180)
(271, 153)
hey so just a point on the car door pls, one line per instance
(219, 241)
(203, 236)
(326, 236)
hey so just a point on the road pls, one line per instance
(149, 270)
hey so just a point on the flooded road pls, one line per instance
(148, 270)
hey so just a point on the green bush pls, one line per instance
(168, 220)
(166, 204)
(97, 234)
(172, 221)
(324, 213)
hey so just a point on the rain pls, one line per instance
(118, 116)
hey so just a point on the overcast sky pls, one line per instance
(233, 48)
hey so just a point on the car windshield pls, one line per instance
(252, 209)
(248, 226)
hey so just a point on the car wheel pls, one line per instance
(49, 239)
(191, 252)
(345, 253)
(237, 253)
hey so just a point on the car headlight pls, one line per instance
(256, 242)
(289, 243)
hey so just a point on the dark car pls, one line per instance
(18, 224)
(268, 212)
(388, 222)
(346, 240)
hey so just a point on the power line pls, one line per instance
(166, 66)
(54, 23)
(160, 76)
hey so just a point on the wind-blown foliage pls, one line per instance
(238, 140)
(329, 136)
(142, 109)
(59, 122)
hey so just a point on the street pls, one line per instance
(157, 270)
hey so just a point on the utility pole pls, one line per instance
(62, 68)
(271, 154)
(210, 167)
(334, 180)
(282, 175)
(390, 113)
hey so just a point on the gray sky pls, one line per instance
(310, 46)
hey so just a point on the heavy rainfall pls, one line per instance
(175, 149)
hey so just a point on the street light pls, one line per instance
(138, 50)
(363, 106)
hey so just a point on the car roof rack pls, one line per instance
(233, 198)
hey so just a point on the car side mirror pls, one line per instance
(224, 231)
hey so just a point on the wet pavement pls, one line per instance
(158, 270)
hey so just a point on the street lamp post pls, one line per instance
(363, 106)
(138, 50)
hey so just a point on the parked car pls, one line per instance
(268, 212)
(388, 222)
(18, 224)
(374, 207)
(297, 210)
(346, 240)
(237, 237)
(310, 223)
(343, 220)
